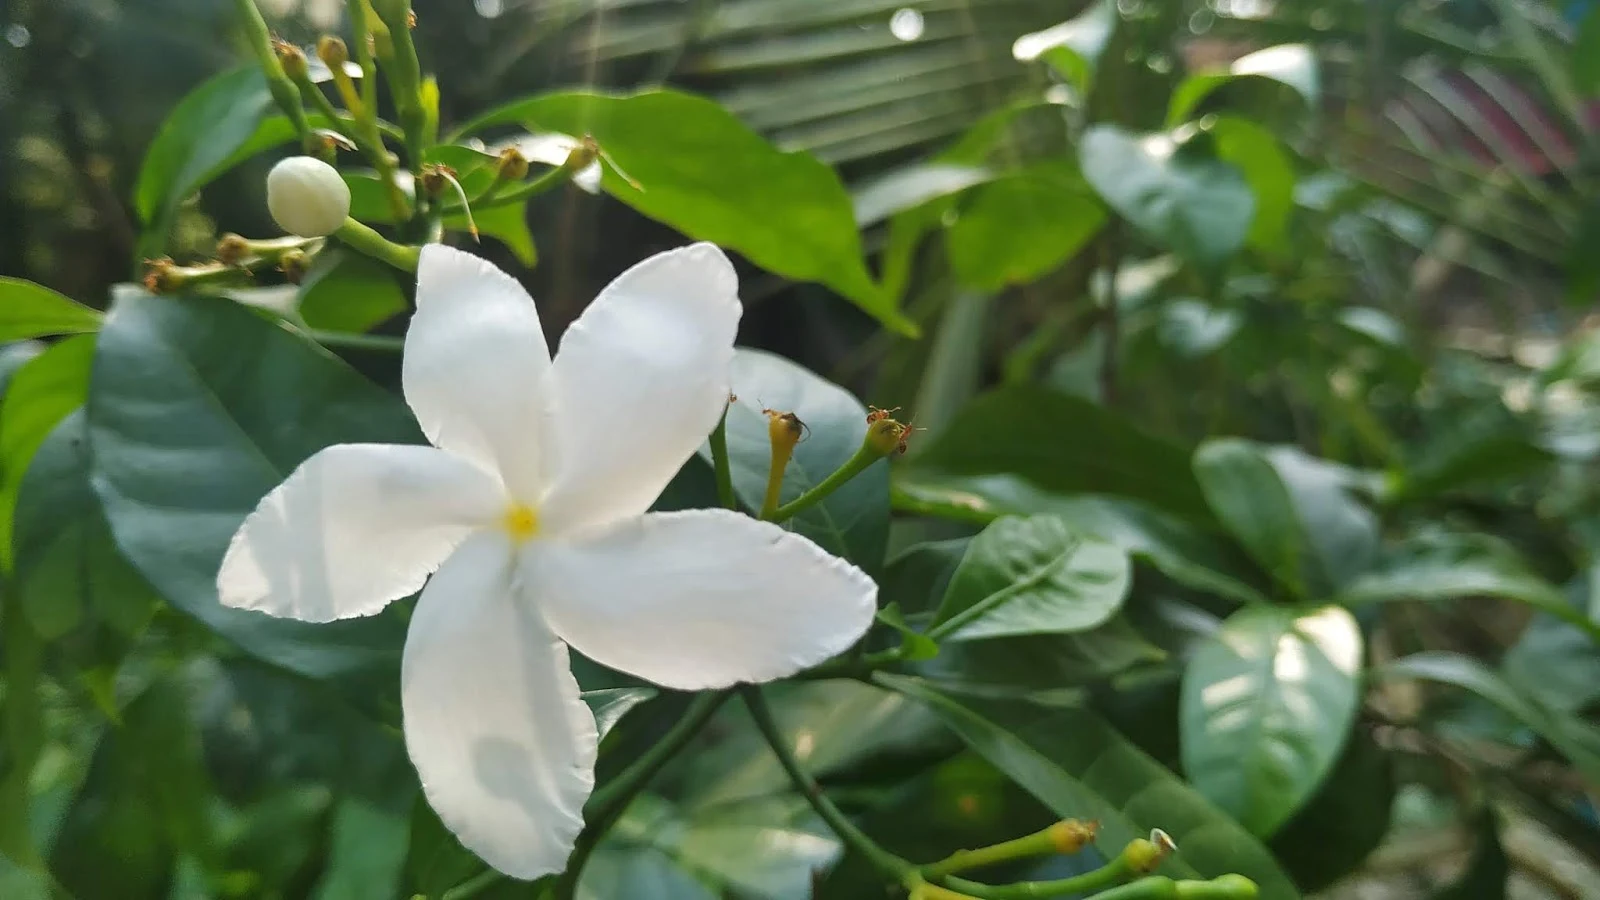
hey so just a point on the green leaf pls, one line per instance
(1289, 511)
(853, 521)
(1179, 194)
(1063, 444)
(1072, 48)
(67, 566)
(366, 852)
(1174, 547)
(1259, 154)
(1266, 707)
(638, 874)
(203, 136)
(914, 645)
(1041, 666)
(611, 704)
(200, 407)
(1554, 663)
(1031, 576)
(1575, 739)
(1292, 65)
(1442, 566)
(42, 392)
(912, 186)
(701, 171)
(348, 291)
(28, 310)
(1081, 767)
(1334, 833)
(761, 847)
(1022, 226)
(1586, 53)
(507, 224)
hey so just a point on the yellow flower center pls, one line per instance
(521, 522)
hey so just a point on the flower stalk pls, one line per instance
(892, 866)
(1138, 858)
(362, 239)
(405, 76)
(284, 93)
(883, 439)
(722, 464)
(785, 431)
(1066, 837)
(606, 805)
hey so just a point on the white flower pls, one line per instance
(533, 511)
(307, 197)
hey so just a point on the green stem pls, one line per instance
(473, 886)
(504, 197)
(857, 464)
(405, 77)
(721, 463)
(283, 90)
(859, 667)
(1108, 875)
(382, 342)
(362, 239)
(892, 866)
(362, 33)
(608, 803)
(1040, 843)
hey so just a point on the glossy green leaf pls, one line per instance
(1292, 65)
(1291, 512)
(1072, 48)
(366, 852)
(852, 521)
(1041, 666)
(1179, 194)
(506, 224)
(1081, 767)
(28, 310)
(610, 705)
(200, 407)
(1063, 444)
(68, 568)
(914, 645)
(1554, 663)
(201, 138)
(1266, 708)
(1339, 828)
(1176, 548)
(1575, 739)
(701, 171)
(912, 186)
(1031, 576)
(639, 874)
(1259, 154)
(1442, 566)
(1022, 226)
(348, 291)
(41, 393)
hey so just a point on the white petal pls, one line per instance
(476, 366)
(639, 381)
(494, 724)
(354, 527)
(699, 599)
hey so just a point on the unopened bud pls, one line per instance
(232, 249)
(333, 52)
(307, 197)
(513, 165)
(1143, 856)
(293, 60)
(1071, 835)
(294, 264)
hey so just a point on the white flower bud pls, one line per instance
(307, 197)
